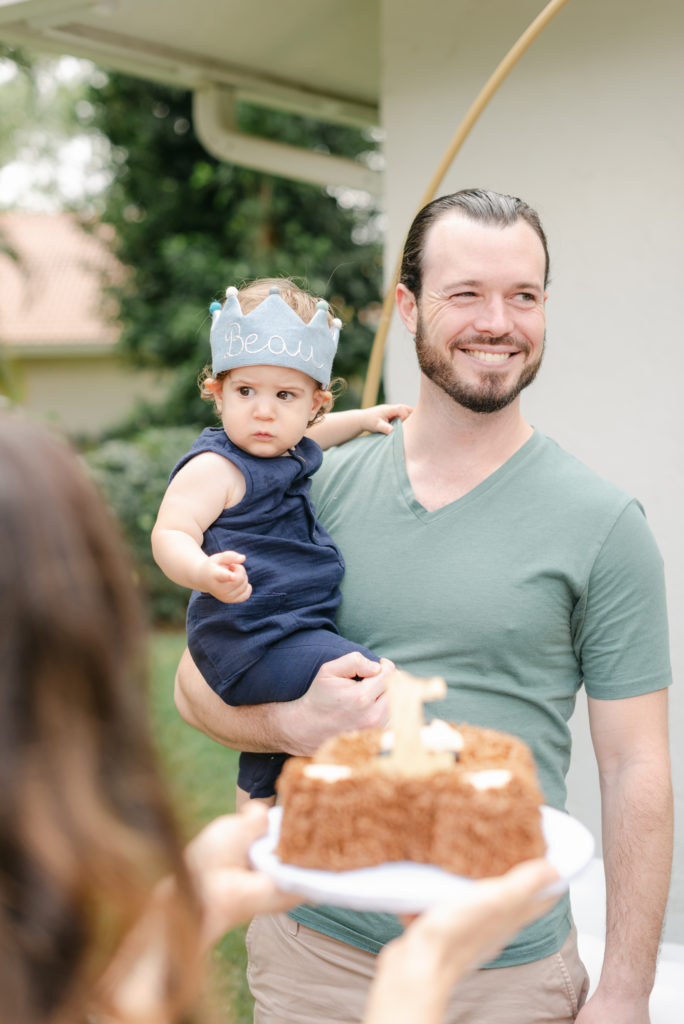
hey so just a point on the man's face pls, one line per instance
(480, 320)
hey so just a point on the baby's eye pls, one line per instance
(286, 396)
(245, 391)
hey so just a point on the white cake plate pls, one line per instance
(404, 887)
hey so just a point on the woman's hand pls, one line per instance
(417, 971)
(229, 890)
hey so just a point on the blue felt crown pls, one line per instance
(274, 335)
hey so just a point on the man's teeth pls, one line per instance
(488, 357)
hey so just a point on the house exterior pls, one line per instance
(57, 330)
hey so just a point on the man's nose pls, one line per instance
(494, 318)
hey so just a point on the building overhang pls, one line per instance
(318, 58)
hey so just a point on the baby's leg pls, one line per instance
(256, 778)
(286, 670)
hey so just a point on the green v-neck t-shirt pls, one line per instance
(542, 578)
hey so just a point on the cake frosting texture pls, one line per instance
(471, 806)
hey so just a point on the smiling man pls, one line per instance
(480, 302)
(477, 549)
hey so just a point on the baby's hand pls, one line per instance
(378, 419)
(224, 577)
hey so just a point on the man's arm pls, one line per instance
(336, 701)
(630, 738)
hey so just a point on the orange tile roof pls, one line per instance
(53, 295)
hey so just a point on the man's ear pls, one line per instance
(407, 307)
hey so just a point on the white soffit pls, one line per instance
(318, 58)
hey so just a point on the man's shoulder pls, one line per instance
(567, 471)
(346, 463)
(359, 450)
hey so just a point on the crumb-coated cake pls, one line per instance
(458, 796)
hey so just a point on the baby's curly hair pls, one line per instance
(304, 305)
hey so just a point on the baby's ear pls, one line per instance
(322, 401)
(212, 386)
(215, 387)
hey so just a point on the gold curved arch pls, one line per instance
(375, 362)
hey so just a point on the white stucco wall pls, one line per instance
(588, 130)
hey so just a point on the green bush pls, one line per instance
(132, 475)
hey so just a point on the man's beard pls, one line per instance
(493, 392)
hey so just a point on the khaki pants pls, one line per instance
(300, 976)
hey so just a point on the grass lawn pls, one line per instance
(201, 775)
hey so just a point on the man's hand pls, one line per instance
(224, 577)
(348, 693)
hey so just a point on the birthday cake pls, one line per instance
(460, 797)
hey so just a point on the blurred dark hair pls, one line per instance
(85, 829)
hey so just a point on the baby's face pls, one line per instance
(265, 410)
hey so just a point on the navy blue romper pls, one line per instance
(269, 647)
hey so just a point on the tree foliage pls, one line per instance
(50, 159)
(19, 97)
(132, 474)
(188, 225)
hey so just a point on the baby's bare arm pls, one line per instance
(196, 496)
(338, 427)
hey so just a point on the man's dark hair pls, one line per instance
(476, 204)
